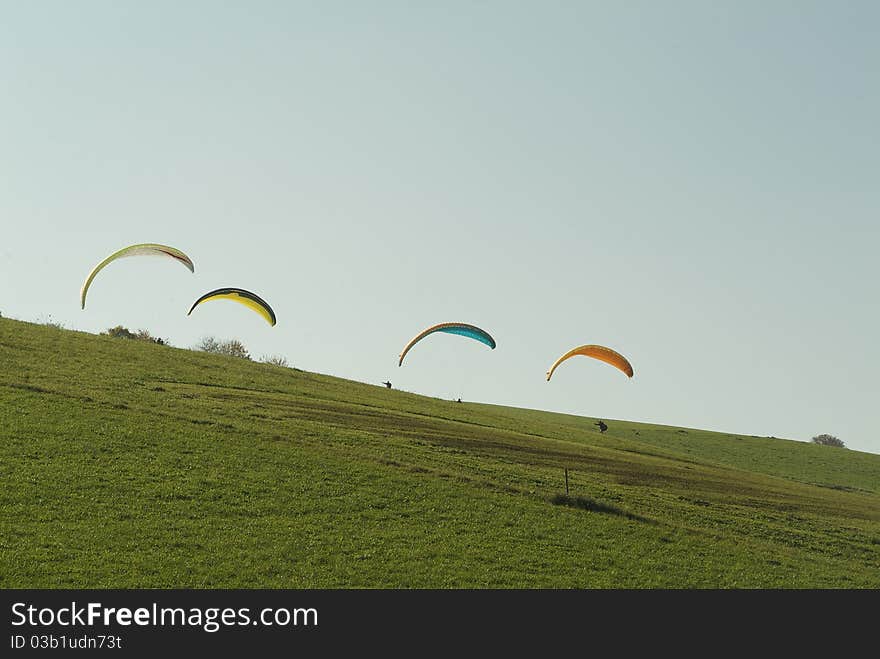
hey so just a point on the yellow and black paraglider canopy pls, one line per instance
(240, 295)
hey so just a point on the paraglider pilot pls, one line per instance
(387, 384)
(602, 426)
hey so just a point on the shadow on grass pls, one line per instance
(595, 506)
(842, 488)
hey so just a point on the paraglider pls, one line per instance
(462, 329)
(387, 384)
(602, 425)
(601, 353)
(141, 249)
(241, 296)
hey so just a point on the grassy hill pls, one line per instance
(129, 464)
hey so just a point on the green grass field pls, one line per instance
(132, 465)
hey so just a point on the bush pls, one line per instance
(120, 332)
(828, 440)
(275, 360)
(232, 348)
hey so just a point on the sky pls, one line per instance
(692, 184)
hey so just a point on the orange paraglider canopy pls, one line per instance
(601, 353)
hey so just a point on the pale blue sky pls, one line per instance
(694, 184)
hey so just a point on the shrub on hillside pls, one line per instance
(232, 348)
(275, 360)
(828, 440)
(120, 332)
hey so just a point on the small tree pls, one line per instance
(208, 344)
(828, 440)
(234, 348)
